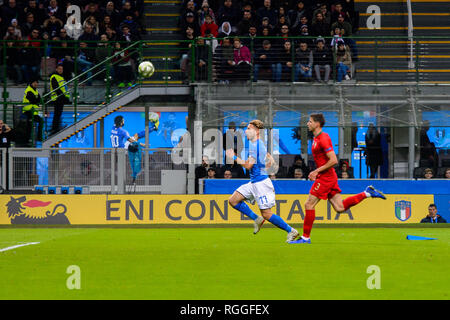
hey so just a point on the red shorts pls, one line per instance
(325, 188)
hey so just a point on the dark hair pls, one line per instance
(318, 117)
(432, 205)
(118, 121)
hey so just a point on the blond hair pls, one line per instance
(257, 123)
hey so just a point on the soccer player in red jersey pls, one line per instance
(325, 185)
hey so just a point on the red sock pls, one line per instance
(354, 200)
(308, 223)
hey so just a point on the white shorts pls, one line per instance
(261, 192)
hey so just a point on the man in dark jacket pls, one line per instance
(322, 60)
(264, 58)
(373, 150)
(432, 216)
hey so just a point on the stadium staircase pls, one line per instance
(161, 19)
(430, 19)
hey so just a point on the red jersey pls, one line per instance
(321, 146)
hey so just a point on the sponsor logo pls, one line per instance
(23, 211)
(403, 210)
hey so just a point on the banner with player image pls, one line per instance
(193, 209)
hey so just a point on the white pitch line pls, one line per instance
(18, 246)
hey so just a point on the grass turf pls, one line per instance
(223, 263)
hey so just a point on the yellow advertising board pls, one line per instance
(194, 209)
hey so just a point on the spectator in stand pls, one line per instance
(94, 23)
(52, 26)
(265, 58)
(211, 173)
(12, 62)
(427, 148)
(127, 35)
(103, 50)
(64, 55)
(38, 12)
(304, 62)
(202, 171)
(298, 174)
(211, 41)
(343, 61)
(200, 60)
(123, 71)
(304, 32)
(17, 30)
(227, 174)
(284, 35)
(345, 168)
(342, 24)
(63, 36)
(137, 7)
(344, 175)
(242, 60)
(336, 33)
(106, 22)
(209, 25)
(249, 41)
(190, 7)
(29, 25)
(30, 62)
(34, 39)
(265, 35)
(374, 152)
(225, 31)
(265, 23)
(111, 34)
(111, 11)
(298, 164)
(326, 15)
(188, 21)
(280, 23)
(245, 23)
(132, 26)
(267, 11)
(432, 216)
(322, 60)
(11, 33)
(428, 173)
(447, 173)
(235, 171)
(296, 14)
(337, 10)
(54, 9)
(89, 36)
(203, 12)
(284, 65)
(228, 12)
(225, 66)
(91, 10)
(9, 11)
(86, 60)
(74, 28)
(319, 27)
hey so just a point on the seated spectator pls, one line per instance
(86, 60)
(246, 22)
(228, 12)
(103, 50)
(94, 23)
(319, 27)
(265, 23)
(54, 9)
(89, 36)
(298, 164)
(132, 25)
(242, 60)
(345, 167)
(38, 12)
(74, 28)
(447, 173)
(225, 57)
(267, 11)
(281, 21)
(322, 60)
(123, 71)
(29, 24)
(428, 173)
(10, 34)
(17, 29)
(342, 24)
(209, 25)
(432, 216)
(283, 68)
(13, 70)
(304, 62)
(225, 31)
(34, 38)
(202, 171)
(343, 61)
(111, 34)
(227, 174)
(296, 14)
(30, 62)
(190, 7)
(211, 173)
(265, 58)
(326, 15)
(113, 13)
(250, 40)
(205, 11)
(188, 21)
(235, 169)
(63, 36)
(52, 26)
(337, 10)
(298, 174)
(304, 32)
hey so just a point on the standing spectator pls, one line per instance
(137, 7)
(428, 151)
(13, 62)
(52, 26)
(185, 71)
(265, 58)
(63, 53)
(86, 60)
(103, 51)
(224, 66)
(6, 135)
(11, 34)
(232, 139)
(91, 10)
(30, 60)
(122, 67)
(374, 153)
(74, 28)
(205, 11)
(59, 97)
(319, 27)
(432, 216)
(209, 25)
(242, 60)
(267, 11)
(322, 60)
(344, 63)
(127, 36)
(201, 171)
(338, 9)
(284, 65)
(304, 62)
(200, 60)
(228, 12)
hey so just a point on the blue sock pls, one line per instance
(279, 222)
(245, 209)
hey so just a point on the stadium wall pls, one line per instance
(400, 208)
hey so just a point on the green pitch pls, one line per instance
(223, 263)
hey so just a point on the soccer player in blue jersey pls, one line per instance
(120, 138)
(260, 188)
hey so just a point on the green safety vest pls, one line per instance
(30, 107)
(61, 86)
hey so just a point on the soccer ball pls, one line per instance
(153, 116)
(146, 69)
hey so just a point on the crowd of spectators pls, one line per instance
(100, 25)
(257, 33)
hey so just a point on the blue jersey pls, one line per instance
(258, 151)
(151, 127)
(118, 135)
